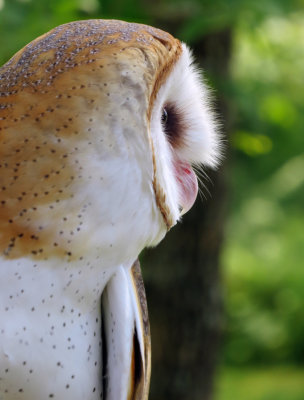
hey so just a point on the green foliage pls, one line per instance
(263, 256)
(261, 384)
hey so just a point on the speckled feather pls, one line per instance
(53, 93)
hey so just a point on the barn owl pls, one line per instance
(101, 122)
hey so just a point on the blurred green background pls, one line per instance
(262, 355)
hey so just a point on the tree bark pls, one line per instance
(182, 276)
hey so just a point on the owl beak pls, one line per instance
(126, 336)
(188, 185)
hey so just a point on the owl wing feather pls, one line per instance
(126, 336)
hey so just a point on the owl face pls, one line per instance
(100, 124)
(183, 130)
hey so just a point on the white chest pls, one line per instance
(50, 331)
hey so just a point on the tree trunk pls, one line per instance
(182, 277)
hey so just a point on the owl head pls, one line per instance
(100, 125)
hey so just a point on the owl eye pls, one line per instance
(172, 124)
(164, 117)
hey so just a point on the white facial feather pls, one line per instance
(200, 141)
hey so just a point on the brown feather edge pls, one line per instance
(163, 73)
(140, 390)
